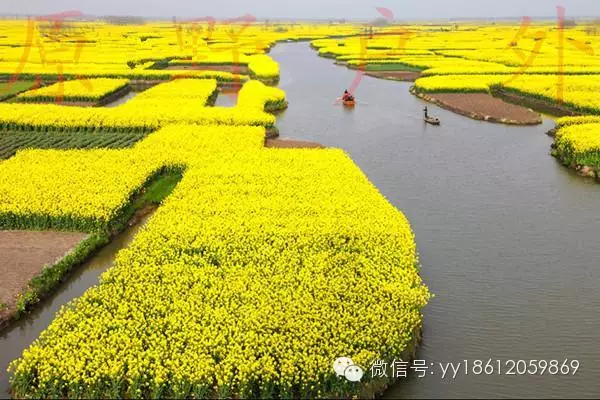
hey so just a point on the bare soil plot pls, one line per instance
(292, 144)
(483, 106)
(23, 255)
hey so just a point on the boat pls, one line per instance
(432, 120)
(349, 103)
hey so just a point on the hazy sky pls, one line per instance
(403, 9)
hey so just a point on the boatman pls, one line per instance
(347, 96)
(426, 115)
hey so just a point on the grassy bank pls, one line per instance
(8, 89)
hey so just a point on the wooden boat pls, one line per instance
(432, 120)
(349, 103)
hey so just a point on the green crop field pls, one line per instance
(11, 142)
(9, 89)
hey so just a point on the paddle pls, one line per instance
(356, 100)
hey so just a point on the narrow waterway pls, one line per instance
(21, 334)
(121, 100)
(508, 238)
(226, 98)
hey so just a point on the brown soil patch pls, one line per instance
(23, 255)
(235, 69)
(69, 103)
(233, 86)
(141, 85)
(485, 107)
(404, 76)
(271, 133)
(292, 144)
(232, 89)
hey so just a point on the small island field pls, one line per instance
(484, 107)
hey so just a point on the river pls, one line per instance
(508, 238)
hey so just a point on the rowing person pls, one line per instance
(347, 96)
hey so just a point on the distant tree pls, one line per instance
(593, 29)
(125, 20)
(380, 22)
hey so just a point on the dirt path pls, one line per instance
(292, 144)
(23, 255)
(483, 106)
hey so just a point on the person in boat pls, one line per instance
(347, 96)
(426, 114)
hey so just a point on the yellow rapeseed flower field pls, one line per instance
(579, 144)
(261, 268)
(164, 104)
(263, 265)
(566, 121)
(75, 90)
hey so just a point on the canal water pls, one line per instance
(122, 100)
(509, 240)
(226, 98)
(21, 334)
